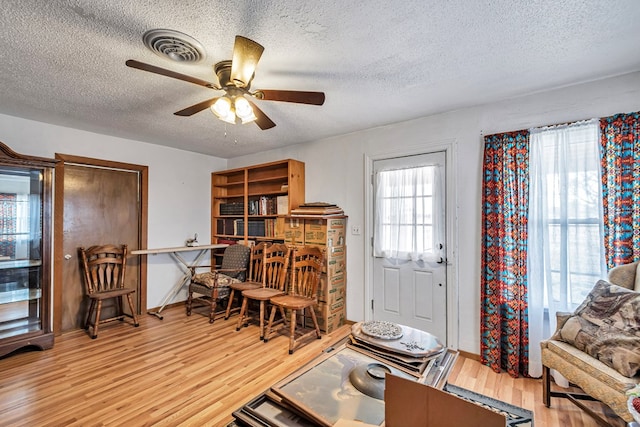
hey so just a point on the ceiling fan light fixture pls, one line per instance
(229, 118)
(244, 110)
(223, 110)
(222, 107)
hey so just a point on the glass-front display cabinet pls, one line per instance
(25, 251)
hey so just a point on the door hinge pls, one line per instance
(371, 305)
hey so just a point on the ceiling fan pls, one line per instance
(234, 78)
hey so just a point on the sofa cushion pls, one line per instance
(221, 291)
(571, 359)
(607, 327)
(637, 279)
(211, 279)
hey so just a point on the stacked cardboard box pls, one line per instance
(329, 234)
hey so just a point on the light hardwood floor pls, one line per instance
(184, 371)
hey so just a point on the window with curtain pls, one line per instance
(407, 223)
(565, 248)
(579, 217)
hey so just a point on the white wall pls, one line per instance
(179, 186)
(179, 181)
(335, 173)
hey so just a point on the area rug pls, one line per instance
(516, 417)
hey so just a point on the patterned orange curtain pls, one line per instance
(505, 200)
(620, 139)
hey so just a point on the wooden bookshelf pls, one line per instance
(250, 203)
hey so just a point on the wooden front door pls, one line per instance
(102, 202)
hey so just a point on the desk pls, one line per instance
(174, 253)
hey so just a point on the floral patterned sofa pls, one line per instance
(599, 380)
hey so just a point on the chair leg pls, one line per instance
(262, 320)
(97, 321)
(92, 306)
(243, 311)
(189, 301)
(272, 316)
(212, 312)
(229, 304)
(315, 321)
(119, 309)
(292, 332)
(546, 386)
(133, 311)
(283, 314)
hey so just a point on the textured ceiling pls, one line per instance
(379, 62)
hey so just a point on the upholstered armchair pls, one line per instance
(213, 286)
(598, 380)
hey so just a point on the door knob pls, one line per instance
(67, 256)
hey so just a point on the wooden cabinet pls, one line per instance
(328, 234)
(250, 203)
(25, 251)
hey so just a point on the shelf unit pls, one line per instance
(25, 251)
(250, 203)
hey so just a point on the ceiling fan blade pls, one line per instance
(262, 120)
(300, 97)
(189, 111)
(157, 70)
(246, 54)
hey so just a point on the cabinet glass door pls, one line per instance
(20, 250)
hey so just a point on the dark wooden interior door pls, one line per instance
(101, 205)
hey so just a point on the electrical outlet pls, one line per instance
(355, 230)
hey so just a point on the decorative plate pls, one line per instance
(412, 342)
(382, 330)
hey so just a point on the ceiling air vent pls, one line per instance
(174, 45)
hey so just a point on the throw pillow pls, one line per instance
(607, 327)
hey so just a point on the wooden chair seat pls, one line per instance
(245, 286)
(262, 294)
(112, 294)
(293, 302)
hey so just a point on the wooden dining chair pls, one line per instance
(306, 270)
(275, 265)
(214, 285)
(254, 280)
(104, 269)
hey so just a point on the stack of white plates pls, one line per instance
(408, 347)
